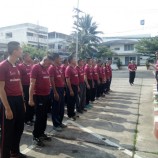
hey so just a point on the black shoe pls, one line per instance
(28, 123)
(44, 137)
(63, 125)
(38, 142)
(84, 110)
(19, 155)
(80, 111)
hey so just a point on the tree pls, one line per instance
(88, 39)
(104, 52)
(34, 52)
(147, 46)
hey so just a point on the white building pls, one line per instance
(26, 33)
(58, 42)
(124, 48)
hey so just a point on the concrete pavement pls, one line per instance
(121, 120)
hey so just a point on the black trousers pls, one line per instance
(71, 101)
(29, 109)
(131, 76)
(58, 107)
(81, 100)
(88, 92)
(41, 109)
(94, 90)
(12, 129)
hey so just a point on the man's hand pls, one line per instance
(56, 96)
(9, 114)
(71, 93)
(88, 86)
(31, 103)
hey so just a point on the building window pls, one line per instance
(128, 47)
(41, 36)
(9, 35)
(116, 48)
(51, 46)
(132, 58)
(29, 34)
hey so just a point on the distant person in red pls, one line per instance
(102, 78)
(132, 67)
(88, 72)
(57, 83)
(39, 97)
(13, 111)
(72, 81)
(108, 75)
(25, 69)
(95, 80)
(82, 94)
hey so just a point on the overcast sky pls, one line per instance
(112, 16)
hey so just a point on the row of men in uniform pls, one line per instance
(25, 91)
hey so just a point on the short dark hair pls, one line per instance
(49, 57)
(65, 61)
(88, 59)
(70, 58)
(55, 56)
(80, 59)
(25, 53)
(13, 45)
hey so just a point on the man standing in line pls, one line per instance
(72, 81)
(57, 83)
(88, 75)
(82, 93)
(25, 69)
(40, 88)
(13, 109)
(132, 67)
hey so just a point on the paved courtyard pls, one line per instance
(118, 126)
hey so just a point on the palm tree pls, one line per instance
(88, 39)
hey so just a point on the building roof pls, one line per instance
(121, 41)
(23, 25)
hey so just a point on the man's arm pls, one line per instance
(86, 81)
(31, 91)
(3, 96)
(69, 86)
(56, 95)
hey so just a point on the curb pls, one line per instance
(155, 96)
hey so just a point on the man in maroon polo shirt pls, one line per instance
(40, 88)
(88, 75)
(72, 81)
(25, 69)
(13, 103)
(96, 78)
(82, 94)
(132, 67)
(57, 83)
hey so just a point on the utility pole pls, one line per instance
(77, 10)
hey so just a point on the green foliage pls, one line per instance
(88, 40)
(104, 52)
(147, 45)
(34, 52)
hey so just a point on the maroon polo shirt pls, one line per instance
(25, 73)
(11, 75)
(55, 72)
(80, 74)
(42, 85)
(96, 72)
(132, 66)
(88, 72)
(72, 73)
